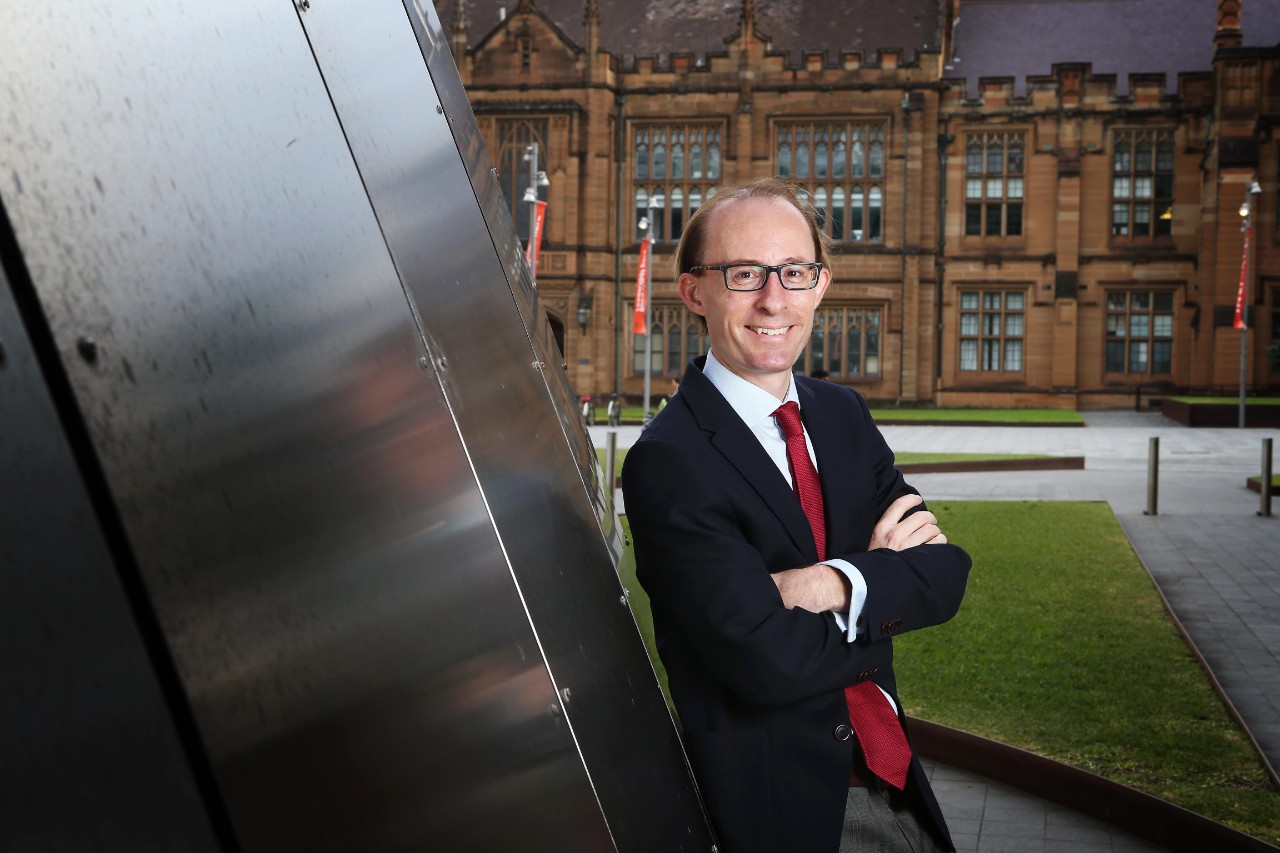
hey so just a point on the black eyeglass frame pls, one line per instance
(816, 266)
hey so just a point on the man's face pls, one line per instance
(757, 334)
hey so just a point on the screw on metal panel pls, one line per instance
(626, 597)
(304, 5)
(564, 695)
(440, 108)
(442, 363)
(88, 349)
(494, 172)
(424, 362)
(554, 710)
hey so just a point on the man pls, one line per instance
(766, 608)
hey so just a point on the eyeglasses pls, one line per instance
(754, 276)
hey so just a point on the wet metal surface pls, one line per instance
(316, 380)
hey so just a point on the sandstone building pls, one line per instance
(1033, 202)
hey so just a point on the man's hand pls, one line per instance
(814, 588)
(897, 533)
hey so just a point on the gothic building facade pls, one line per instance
(1032, 202)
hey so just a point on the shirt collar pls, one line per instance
(751, 403)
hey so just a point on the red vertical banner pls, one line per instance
(535, 245)
(638, 325)
(1244, 272)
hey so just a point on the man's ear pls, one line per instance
(690, 291)
(824, 280)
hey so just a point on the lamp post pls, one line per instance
(537, 178)
(1246, 212)
(646, 249)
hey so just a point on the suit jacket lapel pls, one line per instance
(738, 445)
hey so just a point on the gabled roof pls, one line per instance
(1026, 38)
(630, 28)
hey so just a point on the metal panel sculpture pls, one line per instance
(277, 392)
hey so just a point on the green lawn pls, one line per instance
(900, 458)
(1063, 647)
(961, 416)
(1218, 401)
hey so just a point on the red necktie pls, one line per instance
(884, 745)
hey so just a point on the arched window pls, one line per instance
(876, 157)
(677, 155)
(874, 214)
(820, 206)
(837, 213)
(857, 214)
(657, 214)
(514, 138)
(642, 154)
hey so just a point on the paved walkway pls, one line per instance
(1214, 558)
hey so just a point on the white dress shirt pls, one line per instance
(756, 407)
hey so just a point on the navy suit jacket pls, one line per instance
(758, 688)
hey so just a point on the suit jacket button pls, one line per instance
(842, 732)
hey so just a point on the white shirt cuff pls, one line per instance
(857, 597)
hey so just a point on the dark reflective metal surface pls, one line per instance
(89, 758)
(348, 470)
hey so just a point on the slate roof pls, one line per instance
(1018, 38)
(629, 28)
(994, 38)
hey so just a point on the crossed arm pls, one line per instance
(820, 587)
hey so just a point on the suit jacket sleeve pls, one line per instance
(706, 541)
(906, 590)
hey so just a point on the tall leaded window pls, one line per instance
(514, 138)
(677, 337)
(992, 330)
(1139, 331)
(994, 175)
(842, 165)
(675, 168)
(1142, 183)
(845, 342)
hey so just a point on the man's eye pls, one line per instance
(794, 272)
(745, 274)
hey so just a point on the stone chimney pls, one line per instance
(1228, 33)
(458, 36)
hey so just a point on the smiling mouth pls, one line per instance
(769, 331)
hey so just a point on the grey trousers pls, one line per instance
(875, 823)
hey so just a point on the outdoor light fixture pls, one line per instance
(584, 310)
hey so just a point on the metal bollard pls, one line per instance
(1265, 509)
(610, 462)
(1153, 475)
